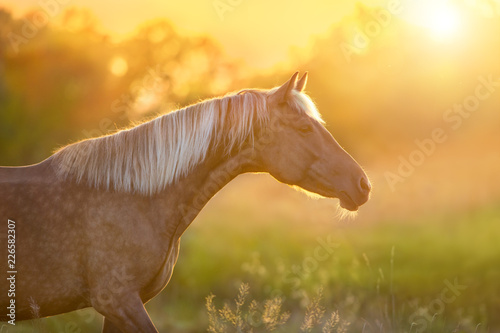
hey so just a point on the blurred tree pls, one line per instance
(5, 21)
(71, 81)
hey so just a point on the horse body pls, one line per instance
(86, 235)
(88, 247)
(34, 200)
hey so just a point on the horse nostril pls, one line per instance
(365, 185)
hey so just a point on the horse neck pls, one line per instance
(208, 178)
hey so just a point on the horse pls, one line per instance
(98, 223)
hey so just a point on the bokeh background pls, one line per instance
(421, 256)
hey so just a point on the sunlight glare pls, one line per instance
(443, 21)
(440, 18)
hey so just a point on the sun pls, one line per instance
(440, 18)
(444, 21)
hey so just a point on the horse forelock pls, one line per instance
(146, 158)
(304, 104)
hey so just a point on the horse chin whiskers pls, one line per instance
(345, 214)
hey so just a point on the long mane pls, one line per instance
(146, 158)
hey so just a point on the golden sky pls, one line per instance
(259, 31)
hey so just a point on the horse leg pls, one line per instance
(128, 315)
(108, 327)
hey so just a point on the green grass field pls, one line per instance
(380, 277)
(377, 276)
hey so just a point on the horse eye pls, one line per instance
(305, 129)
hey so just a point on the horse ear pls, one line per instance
(280, 95)
(301, 85)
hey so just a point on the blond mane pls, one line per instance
(146, 158)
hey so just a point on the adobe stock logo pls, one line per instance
(221, 7)
(381, 18)
(40, 19)
(423, 317)
(454, 117)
